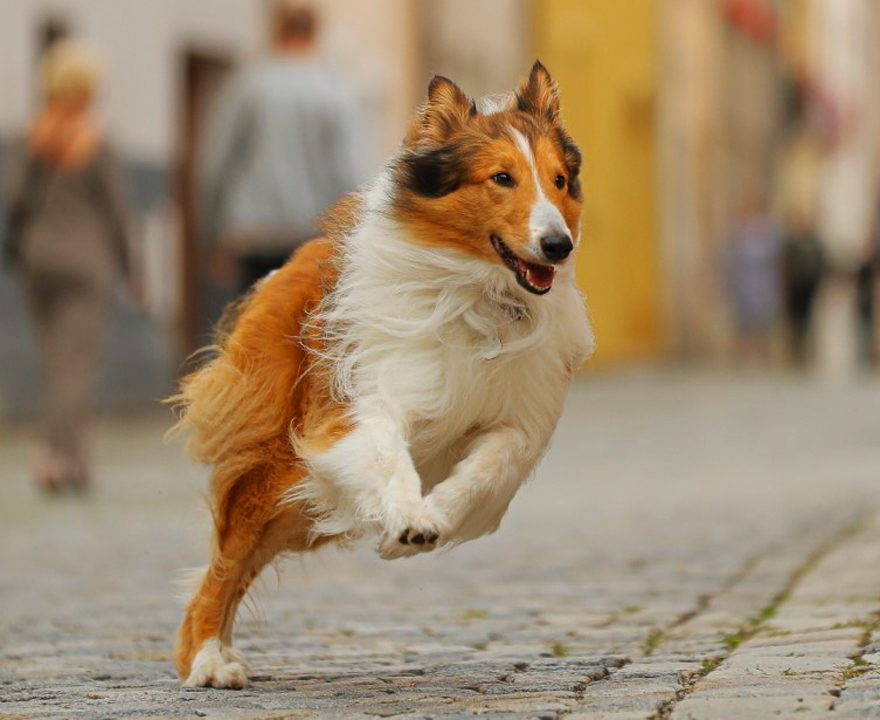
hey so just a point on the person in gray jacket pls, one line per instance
(284, 140)
(66, 240)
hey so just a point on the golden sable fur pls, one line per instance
(401, 375)
(241, 408)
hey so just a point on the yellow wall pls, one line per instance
(602, 53)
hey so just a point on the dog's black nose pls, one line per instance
(556, 247)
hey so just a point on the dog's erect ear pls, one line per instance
(443, 93)
(447, 110)
(538, 95)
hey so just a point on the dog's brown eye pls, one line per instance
(560, 181)
(503, 179)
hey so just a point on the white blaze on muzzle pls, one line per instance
(544, 218)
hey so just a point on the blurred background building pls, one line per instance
(689, 114)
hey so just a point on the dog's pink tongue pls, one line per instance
(540, 275)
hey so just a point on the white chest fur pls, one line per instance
(431, 349)
(445, 343)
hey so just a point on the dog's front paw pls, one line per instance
(409, 531)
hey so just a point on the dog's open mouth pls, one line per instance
(535, 278)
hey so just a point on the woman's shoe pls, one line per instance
(50, 473)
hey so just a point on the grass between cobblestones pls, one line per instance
(759, 619)
(757, 622)
(859, 665)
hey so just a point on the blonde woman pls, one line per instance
(67, 242)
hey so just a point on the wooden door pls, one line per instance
(602, 54)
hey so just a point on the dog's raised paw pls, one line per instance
(408, 533)
(413, 536)
(217, 667)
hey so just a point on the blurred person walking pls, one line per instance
(799, 176)
(804, 267)
(283, 142)
(753, 280)
(867, 290)
(67, 241)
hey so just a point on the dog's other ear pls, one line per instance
(538, 95)
(447, 110)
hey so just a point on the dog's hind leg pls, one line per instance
(251, 528)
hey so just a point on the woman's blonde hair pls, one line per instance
(69, 71)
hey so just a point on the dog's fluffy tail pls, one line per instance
(237, 409)
(228, 409)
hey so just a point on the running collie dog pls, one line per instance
(401, 375)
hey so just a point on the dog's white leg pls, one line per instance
(373, 472)
(474, 498)
(217, 666)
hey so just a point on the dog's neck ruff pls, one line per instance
(394, 293)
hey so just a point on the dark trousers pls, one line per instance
(255, 266)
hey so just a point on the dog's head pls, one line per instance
(499, 183)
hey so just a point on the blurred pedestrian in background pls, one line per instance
(753, 279)
(866, 296)
(284, 141)
(799, 177)
(804, 268)
(67, 241)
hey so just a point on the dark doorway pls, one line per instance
(202, 74)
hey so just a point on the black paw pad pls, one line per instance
(432, 538)
(404, 537)
(418, 539)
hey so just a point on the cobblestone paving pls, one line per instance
(692, 547)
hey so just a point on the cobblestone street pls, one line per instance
(692, 547)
